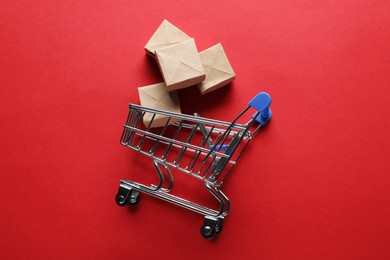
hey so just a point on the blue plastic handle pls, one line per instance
(261, 102)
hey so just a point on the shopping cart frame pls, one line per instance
(210, 158)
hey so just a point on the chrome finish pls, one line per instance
(203, 148)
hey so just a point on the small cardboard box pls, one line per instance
(180, 65)
(218, 70)
(156, 96)
(166, 34)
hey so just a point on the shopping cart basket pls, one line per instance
(204, 148)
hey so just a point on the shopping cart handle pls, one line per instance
(261, 103)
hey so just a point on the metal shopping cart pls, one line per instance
(203, 148)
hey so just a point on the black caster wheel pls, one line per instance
(134, 197)
(128, 197)
(211, 226)
(121, 200)
(207, 232)
(218, 227)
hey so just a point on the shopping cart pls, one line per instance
(204, 148)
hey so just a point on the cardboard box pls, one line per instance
(180, 65)
(166, 35)
(218, 70)
(156, 96)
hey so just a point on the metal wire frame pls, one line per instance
(204, 148)
(214, 158)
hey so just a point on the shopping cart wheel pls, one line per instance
(121, 200)
(218, 226)
(207, 232)
(127, 196)
(134, 197)
(211, 226)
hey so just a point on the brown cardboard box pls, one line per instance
(180, 65)
(166, 34)
(156, 96)
(218, 70)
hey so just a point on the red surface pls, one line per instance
(313, 185)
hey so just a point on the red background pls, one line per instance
(313, 185)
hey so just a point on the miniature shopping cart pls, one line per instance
(203, 148)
